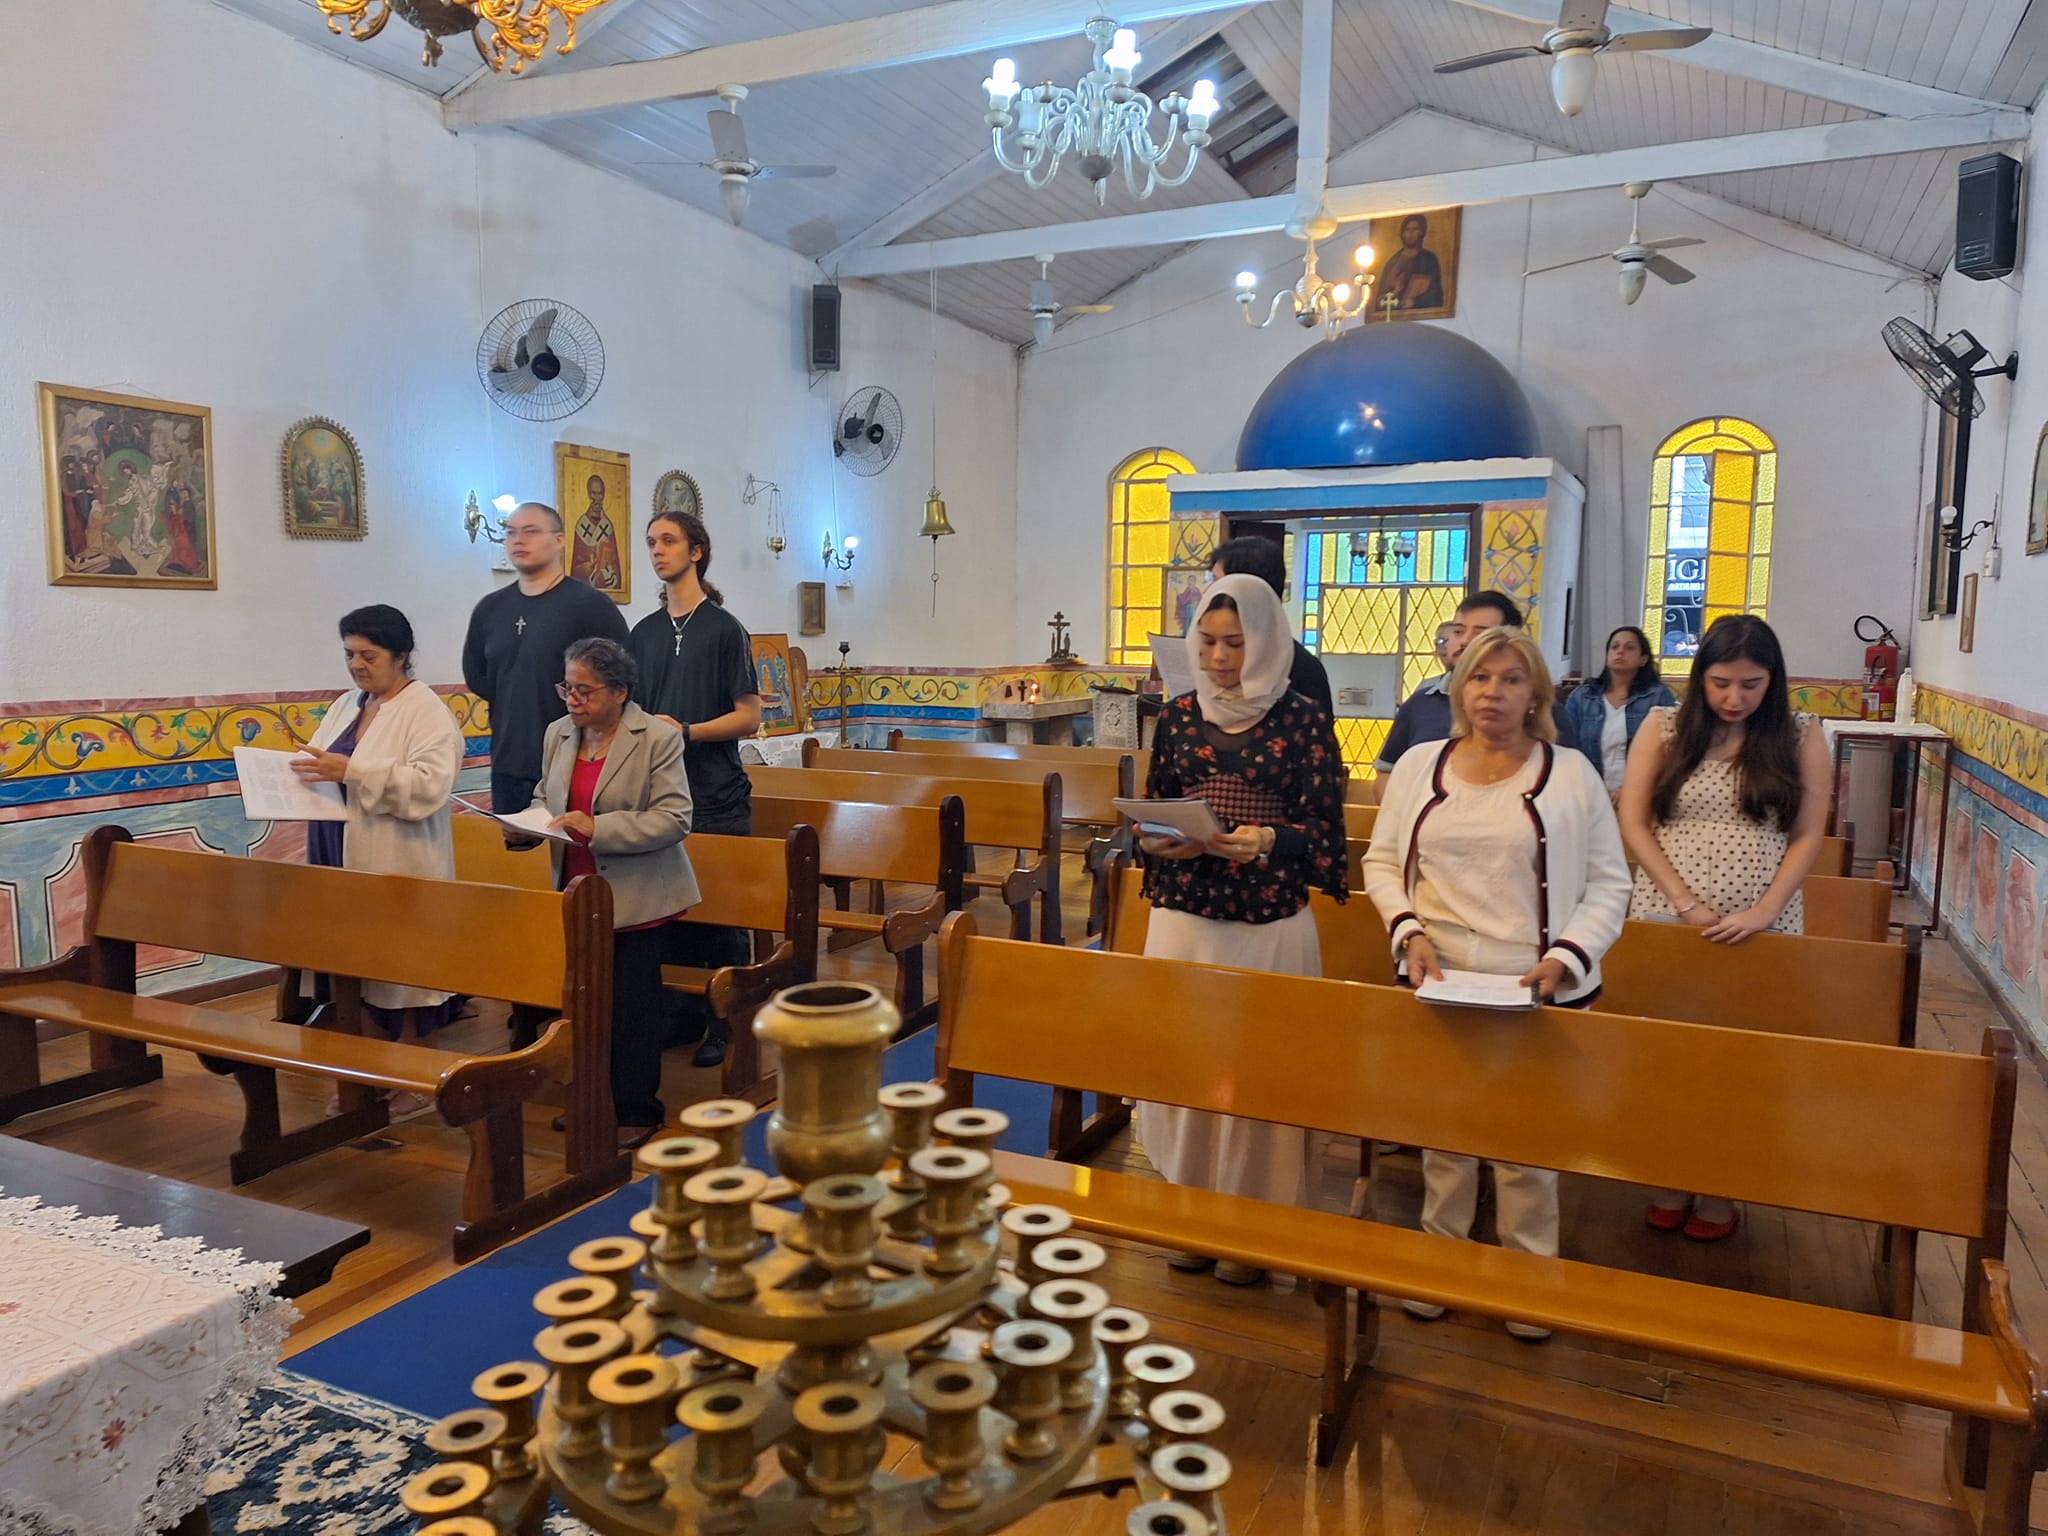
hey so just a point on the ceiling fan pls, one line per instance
(1639, 257)
(1581, 32)
(738, 170)
(1045, 308)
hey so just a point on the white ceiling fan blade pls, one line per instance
(1672, 243)
(1481, 60)
(1089, 309)
(728, 135)
(1559, 266)
(1582, 15)
(1670, 270)
(1665, 37)
(797, 172)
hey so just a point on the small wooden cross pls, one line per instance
(1058, 625)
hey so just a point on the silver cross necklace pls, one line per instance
(679, 628)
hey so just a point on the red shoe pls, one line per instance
(1668, 1218)
(1712, 1231)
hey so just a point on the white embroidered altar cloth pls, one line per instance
(125, 1357)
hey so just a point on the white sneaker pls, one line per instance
(1528, 1333)
(1428, 1311)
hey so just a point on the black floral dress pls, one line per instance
(1284, 773)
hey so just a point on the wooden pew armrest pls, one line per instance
(471, 1089)
(2003, 1326)
(736, 986)
(1026, 881)
(908, 927)
(75, 964)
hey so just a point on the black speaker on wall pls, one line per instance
(1987, 216)
(825, 328)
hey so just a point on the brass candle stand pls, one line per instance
(854, 1314)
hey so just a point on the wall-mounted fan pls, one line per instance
(738, 170)
(1581, 32)
(540, 360)
(1946, 370)
(1640, 257)
(869, 430)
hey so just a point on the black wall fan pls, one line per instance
(540, 360)
(1946, 370)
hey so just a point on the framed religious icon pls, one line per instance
(127, 489)
(1415, 266)
(1182, 595)
(591, 489)
(778, 696)
(677, 492)
(323, 482)
(2037, 503)
(810, 601)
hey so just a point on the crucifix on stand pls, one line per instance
(1062, 652)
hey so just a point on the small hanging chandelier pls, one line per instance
(936, 526)
(518, 29)
(1104, 120)
(1315, 299)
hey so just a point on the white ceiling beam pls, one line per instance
(1814, 145)
(1163, 47)
(1788, 71)
(1312, 124)
(912, 37)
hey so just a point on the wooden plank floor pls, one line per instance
(1463, 1430)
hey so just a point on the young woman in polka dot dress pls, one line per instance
(1723, 809)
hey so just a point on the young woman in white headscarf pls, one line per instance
(1266, 762)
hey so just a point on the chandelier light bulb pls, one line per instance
(1571, 80)
(1341, 293)
(1001, 85)
(1122, 56)
(1362, 258)
(1202, 106)
(1247, 280)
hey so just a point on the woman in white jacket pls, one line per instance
(394, 748)
(1498, 852)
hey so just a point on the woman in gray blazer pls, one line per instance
(612, 778)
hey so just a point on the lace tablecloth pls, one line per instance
(783, 751)
(124, 1359)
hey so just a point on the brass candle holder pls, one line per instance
(764, 1346)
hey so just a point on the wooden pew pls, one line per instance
(1848, 907)
(765, 885)
(481, 856)
(1021, 817)
(902, 844)
(1025, 752)
(1363, 791)
(550, 950)
(1086, 788)
(1773, 1119)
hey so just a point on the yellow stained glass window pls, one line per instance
(1360, 621)
(1144, 540)
(1360, 742)
(1713, 515)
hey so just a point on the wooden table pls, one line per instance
(305, 1246)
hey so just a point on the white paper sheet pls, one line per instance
(531, 822)
(1474, 989)
(1176, 672)
(1191, 819)
(272, 792)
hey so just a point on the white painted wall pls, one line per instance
(199, 208)
(1771, 331)
(2012, 611)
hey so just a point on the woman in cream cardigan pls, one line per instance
(392, 746)
(612, 778)
(1497, 851)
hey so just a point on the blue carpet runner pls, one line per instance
(422, 1353)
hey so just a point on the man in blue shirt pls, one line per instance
(1426, 714)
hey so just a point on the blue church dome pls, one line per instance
(1388, 394)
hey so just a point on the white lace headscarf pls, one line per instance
(1268, 653)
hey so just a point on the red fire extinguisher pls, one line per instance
(1880, 670)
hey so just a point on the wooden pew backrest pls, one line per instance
(1086, 788)
(1358, 820)
(1025, 752)
(998, 815)
(482, 858)
(485, 940)
(1834, 857)
(1791, 1121)
(749, 882)
(1847, 907)
(909, 844)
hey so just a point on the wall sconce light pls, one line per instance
(474, 522)
(840, 559)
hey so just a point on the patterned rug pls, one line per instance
(313, 1460)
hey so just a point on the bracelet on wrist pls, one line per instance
(1681, 911)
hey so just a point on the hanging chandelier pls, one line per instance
(518, 29)
(1104, 120)
(1316, 300)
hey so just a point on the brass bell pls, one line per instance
(935, 524)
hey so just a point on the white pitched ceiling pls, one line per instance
(896, 133)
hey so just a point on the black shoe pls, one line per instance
(686, 1026)
(711, 1052)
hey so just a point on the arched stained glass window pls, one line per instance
(1713, 500)
(1157, 562)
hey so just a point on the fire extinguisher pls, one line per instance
(1880, 669)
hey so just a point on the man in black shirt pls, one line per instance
(512, 658)
(696, 666)
(1251, 555)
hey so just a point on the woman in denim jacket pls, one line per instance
(1606, 712)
